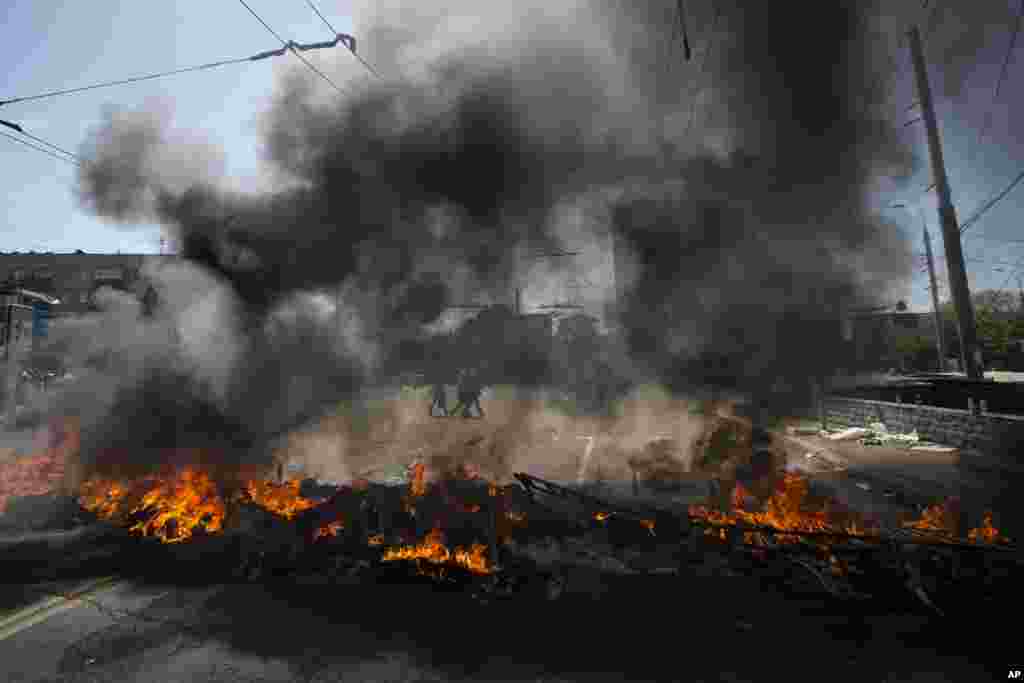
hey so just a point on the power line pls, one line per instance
(173, 72)
(108, 84)
(40, 149)
(291, 45)
(322, 17)
(1002, 76)
(990, 203)
(997, 240)
(16, 127)
(352, 44)
(990, 262)
(1012, 272)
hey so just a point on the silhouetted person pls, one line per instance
(469, 394)
(439, 399)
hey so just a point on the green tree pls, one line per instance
(995, 329)
(917, 351)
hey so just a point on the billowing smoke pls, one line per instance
(739, 279)
(745, 233)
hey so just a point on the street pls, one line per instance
(696, 628)
(687, 627)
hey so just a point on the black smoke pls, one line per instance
(741, 278)
(742, 254)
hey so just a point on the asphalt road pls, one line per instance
(702, 626)
(692, 628)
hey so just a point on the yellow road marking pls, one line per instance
(48, 607)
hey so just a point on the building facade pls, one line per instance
(73, 278)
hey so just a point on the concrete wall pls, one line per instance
(991, 434)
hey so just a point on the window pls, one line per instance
(18, 275)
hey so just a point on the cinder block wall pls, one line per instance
(989, 433)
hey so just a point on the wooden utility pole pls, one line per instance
(935, 300)
(958, 288)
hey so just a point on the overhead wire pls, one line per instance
(291, 46)
(135, 79)
(1012, 273)
(983, 131)
(996, 239)
(40, 149)
(19, 129)
(352, 47)
(990, 203)
(172, 72)
(322, 17)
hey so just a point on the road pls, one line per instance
(698, 628)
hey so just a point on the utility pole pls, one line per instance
(935, 299)
(961, 295)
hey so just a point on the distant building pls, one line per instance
(74, 278)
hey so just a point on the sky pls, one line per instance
(52, 45)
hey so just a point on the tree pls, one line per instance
(917, 352)
(992, 309)
(997, 300)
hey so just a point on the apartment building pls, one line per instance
(73, 278)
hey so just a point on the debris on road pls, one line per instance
(878, 434)
(847, 434)
(936, 449)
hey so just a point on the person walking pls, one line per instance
(439, 399)
(469, 394)
(438, 396)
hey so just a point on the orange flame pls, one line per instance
(940, 520)
(104, 498)
(740, 496)
(648, 524)
(601, 516)
(376, 539)
(281, 499)
(433, 550)
(181, 505)
(177, 504)
(987, 533)
(417, 487)
(785, 510)
(934, 518)
(418, 482)
(332, 530)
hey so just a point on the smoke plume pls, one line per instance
(738, 238)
